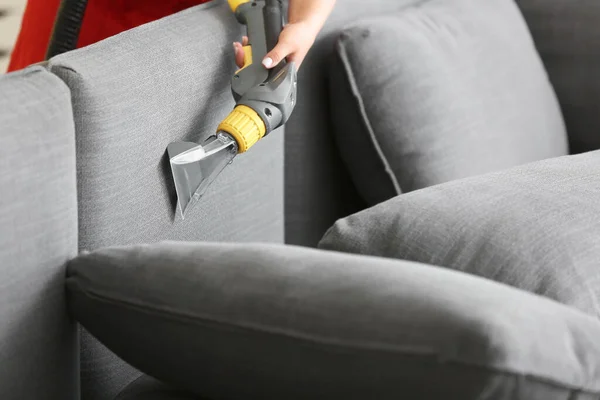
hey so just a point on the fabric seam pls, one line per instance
(342, 52)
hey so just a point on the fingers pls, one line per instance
(239, 51)
(285, 48)
(239, 54)
(279, 53)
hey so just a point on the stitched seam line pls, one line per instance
(342, 52)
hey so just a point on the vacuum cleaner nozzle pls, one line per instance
(195, 167)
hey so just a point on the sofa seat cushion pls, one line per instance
(442, 90)
(259, 321)
(535, 227)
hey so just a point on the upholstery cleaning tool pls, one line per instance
(264, 101)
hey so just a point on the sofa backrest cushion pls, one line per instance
(567, 36)
(439, 92)
(133, 94)
(38, 235)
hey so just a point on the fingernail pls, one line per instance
(267, 62)
(235, 48)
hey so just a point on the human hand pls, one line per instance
(294, 43)
(306, 17)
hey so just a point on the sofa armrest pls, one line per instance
(567, 35)
(273, 321)
(38, 235)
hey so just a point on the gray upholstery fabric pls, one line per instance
(38, 234)
(133, 94)
(567, 35)
(147, 388)
(535, 227)
(320, 191)
(235, 321)
(441, 91)
(318, 188)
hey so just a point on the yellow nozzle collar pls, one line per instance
(246, 127)
(234, 4)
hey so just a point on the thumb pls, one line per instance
(279, 53)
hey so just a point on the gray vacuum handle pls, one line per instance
(271, 93)
(264, 23)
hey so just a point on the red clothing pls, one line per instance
(103, 18)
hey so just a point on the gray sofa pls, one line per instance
(84, 169)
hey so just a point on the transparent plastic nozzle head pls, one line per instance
(195, 167)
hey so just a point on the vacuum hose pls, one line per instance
(66, 27)
(71, 12)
